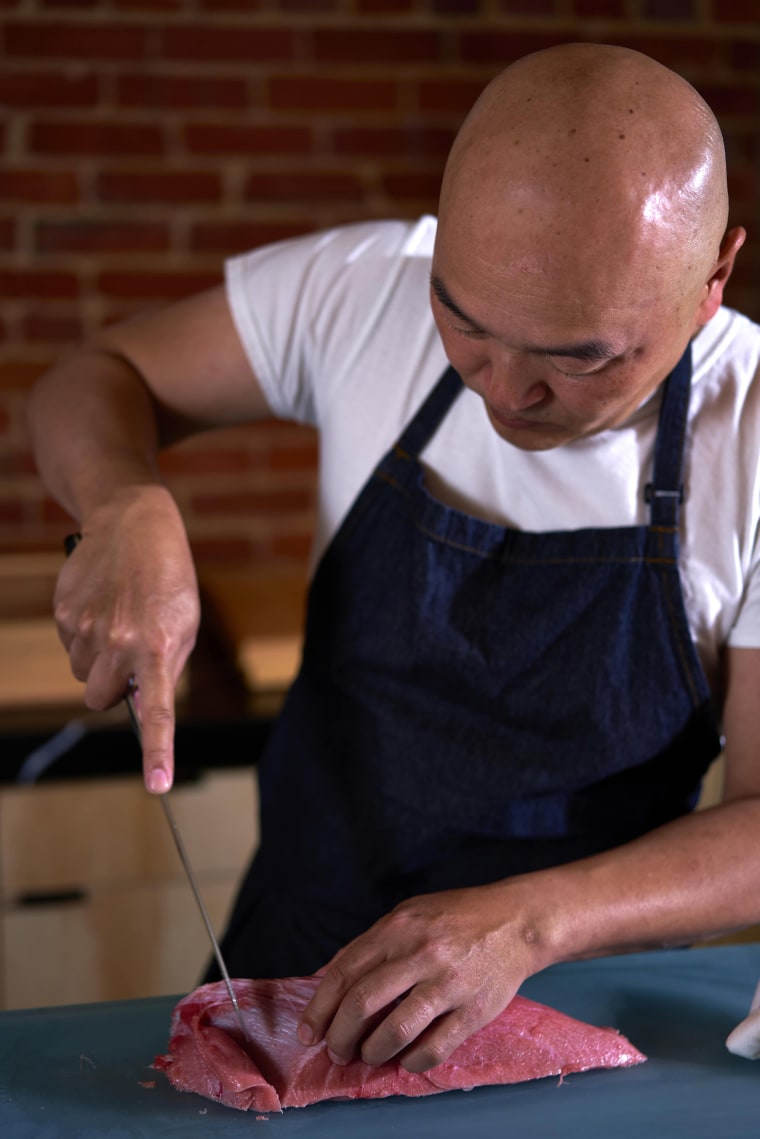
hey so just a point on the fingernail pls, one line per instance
(305, 1034)
(336, 1059)
(158, 780)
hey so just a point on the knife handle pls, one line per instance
(71, 541)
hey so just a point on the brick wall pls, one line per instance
(144, 140)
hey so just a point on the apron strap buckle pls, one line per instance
(652, 493)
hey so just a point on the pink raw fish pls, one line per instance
(272, 1070)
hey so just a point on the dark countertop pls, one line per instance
(80, 1072)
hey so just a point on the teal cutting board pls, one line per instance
(80, 1072)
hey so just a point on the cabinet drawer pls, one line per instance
(116, 944)
(93, 833)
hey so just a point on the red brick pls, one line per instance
(355, 45)
(744, 55)
(385, 7)
(38, 283)
(449, 92)
(230, 550)
(49, 327)
(303, 186)
(224, 138)
(225, 239)
(669, 9)
(314, 7)
(156, 285)
(612, 9)
(410, 142)
(96, 138)
(39, 39)
(101, 237)
(24, 464)
(728, 99)
(176, 186)
(689, 55)
(742, 186)
(178, 92)
(242, 43)
(7, 234)
(21, 374)
(501, 46)
(739, 11)
(32, 186)
(409, 185)
(51, 512)
(529, 7)
(295, 458)
(742, 151)
(205, 460)
(150, 5)
(316, 93)
(11, 511)
(293, 545)
(253, 502)
(25, 89)
(217, 6)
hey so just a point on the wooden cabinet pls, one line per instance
(95, 903)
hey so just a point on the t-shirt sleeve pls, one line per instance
(268, 292)
(745, 633)
(301, 306)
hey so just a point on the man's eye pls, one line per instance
(574, 372)
(473, 333)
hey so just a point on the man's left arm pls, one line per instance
(440, 966)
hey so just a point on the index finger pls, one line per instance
(350, 1002)
(152, 695)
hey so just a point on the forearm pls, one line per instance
(694, 878)
(94, 430)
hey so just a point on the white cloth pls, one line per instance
(339, 331)
(744, 1040)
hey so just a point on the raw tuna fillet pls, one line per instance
(271, 1070)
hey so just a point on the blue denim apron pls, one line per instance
(474, 702)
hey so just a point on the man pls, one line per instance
(505, 708)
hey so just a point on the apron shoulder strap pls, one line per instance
(426, 419)
(665, 492)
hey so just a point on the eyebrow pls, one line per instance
(440, 290)
(592, 350)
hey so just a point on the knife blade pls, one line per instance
(129, 700)
(70, 544)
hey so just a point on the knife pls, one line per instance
(70, 544)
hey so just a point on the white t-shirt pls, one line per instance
(338, 328)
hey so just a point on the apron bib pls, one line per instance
(473, 702)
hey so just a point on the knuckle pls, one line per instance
(337, 976)
(359, 1001)
(434, 1052)
(158, 715)
(414, 1016)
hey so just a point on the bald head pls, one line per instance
(591, 154)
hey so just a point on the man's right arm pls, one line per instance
(127, 600)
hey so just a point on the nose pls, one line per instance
(512, 383)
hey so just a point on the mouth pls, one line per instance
(514, 422)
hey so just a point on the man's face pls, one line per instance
(556, 351)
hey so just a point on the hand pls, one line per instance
(127, 607)
(421, 980)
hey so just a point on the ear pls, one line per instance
(712, 297)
